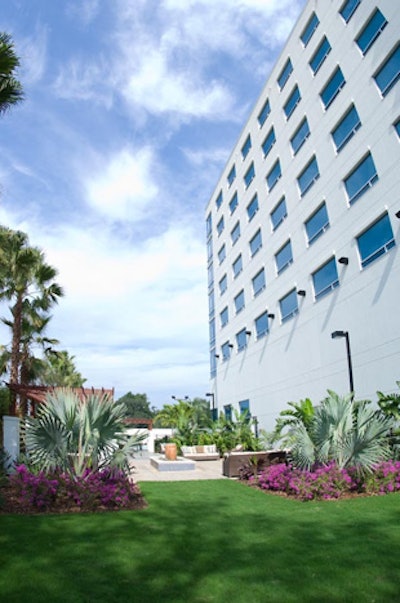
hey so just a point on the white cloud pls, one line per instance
(123, 187)
(33, 55)
(84, 10)
(83, 80)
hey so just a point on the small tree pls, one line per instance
(137, 406)
(10, 88)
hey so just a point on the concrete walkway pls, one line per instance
(145, 472)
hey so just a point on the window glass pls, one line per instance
(284, 257)
(246, 147)
(348, 8)
(375, 241)
(265, 111)
(332, 88)
(278, 214)
(209, 225)
(308, 176)
(237, 266)
(389, 73)
(224, 317)
(320, 55)
(220, 225)
(325, 279)
(233, 203)
(361, 179)
(300, 136)
(292, 102)
(223, 284)
(212, 331)
(239, 302)
(372, 30)
(211, 303)
(209, 249)
(235, 234)
(241, 340)
(249, 175)
(397, 127)
(285, 74)
(232, 175)
(258, 282)
(222, 254)
(244, 408)
(226, 352)
(269, 141)
(213, 363)
(256, 242)
(273, 175)
(288, 305)
(218, 201)
(210, 272)
(317, 224)
(261, 324)
(346, 128)
(252, 208)
(309, 29)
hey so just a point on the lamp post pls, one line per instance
(213, 409)
(345, 334)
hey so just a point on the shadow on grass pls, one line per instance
(216, 541)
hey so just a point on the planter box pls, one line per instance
(233, 461)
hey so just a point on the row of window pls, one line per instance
(376, 240)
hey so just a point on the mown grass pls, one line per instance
(207, 541)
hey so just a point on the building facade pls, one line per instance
(303, 225)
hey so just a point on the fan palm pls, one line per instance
(10, 88)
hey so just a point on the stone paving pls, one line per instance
(144, 471)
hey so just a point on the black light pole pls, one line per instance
(213, 409)
(345, 334)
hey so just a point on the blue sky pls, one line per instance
(132, 108)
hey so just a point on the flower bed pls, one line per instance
(57, 492)
(328, 482)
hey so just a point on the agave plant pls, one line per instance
(73, 435)
(352, 434)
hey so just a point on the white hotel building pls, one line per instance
(303, 225)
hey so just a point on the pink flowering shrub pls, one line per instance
(328, 481)
(55, 491)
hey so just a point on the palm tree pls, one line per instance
(302, 412)
(24, 278)
(10, 88)
(58, 369)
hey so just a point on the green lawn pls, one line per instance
(207, 541)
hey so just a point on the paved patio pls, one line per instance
(145, 472)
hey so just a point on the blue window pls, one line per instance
(262, 325)
(375, 241)
(223, 284)
(209, 225)
(332, 88)
(362, 177)
(233, 203)
(210, 272)
(346, 128)
(285, 74)
(252, 208)
(256, 242)
(213, 363)
(211, 303)
(309, 29)
(237, 266)
(222, 254)
(278, 214)
(317, 224)
(232, 175)
(274, 174)
(246, 147)
(258, 282)
(308, 176)
(397, 127)
(241, 340)
(224, 316)
(320, 55)
(244, 408)
(372, 30)
(228, 412)
(288, 305)
(235, 233)
(325, 279)
(226, 351)
(220, 225)
(389, 73)
(269, 141)
(209, 249)
(219, 199)
(348, 8)
(239, 302)
(292, 102)
(265, 111)
(300, 136)
(249, 175)
(212, 331)
(284, 257)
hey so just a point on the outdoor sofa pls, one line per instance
(234, 460)
(200, 453)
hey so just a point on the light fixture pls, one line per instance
(343, 260)
(248, 332)
(230, 345)
(271, 316)
(397, 214)
(216, 355)
(301, 292)
(336, 334)
(345, 334)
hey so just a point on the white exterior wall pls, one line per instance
(299, 359)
